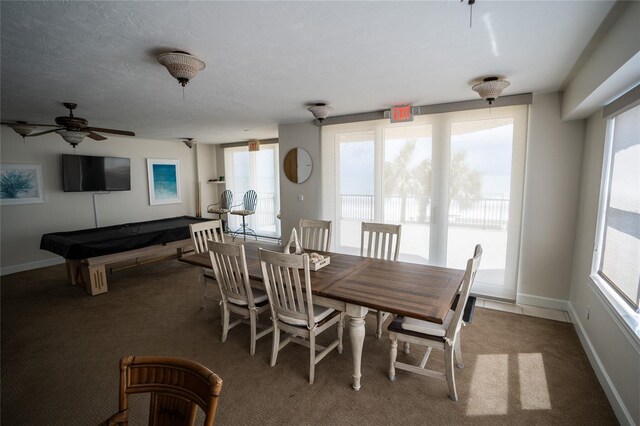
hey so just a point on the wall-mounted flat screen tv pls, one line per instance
(90, 173)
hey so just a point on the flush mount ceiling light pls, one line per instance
(320, 111)
(181, 65)
(490, 88)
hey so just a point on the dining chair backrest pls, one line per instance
(380, 240)
(177, 387)
(289, 295)
(469, 276)
(250, 200)
(315, 234)
(226, 199)
(202, 232)
(230, 268)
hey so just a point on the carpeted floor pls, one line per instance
(61, 347)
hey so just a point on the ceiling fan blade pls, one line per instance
(96, 137)
(16, 123)
(114, 131)
(43, 125)
(43, 133)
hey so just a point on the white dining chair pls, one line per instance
(201, 234)
(238, 296)
(315, 234)
(380, 241)
(292, 307)
(445, 336)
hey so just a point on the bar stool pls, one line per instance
(249, 202)
(224, 207)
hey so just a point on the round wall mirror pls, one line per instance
(297, 165)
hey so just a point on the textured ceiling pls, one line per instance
(267, 60)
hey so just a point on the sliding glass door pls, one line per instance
(452, 181)
(258, 171)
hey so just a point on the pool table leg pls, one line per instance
(94, 278)
(73, 271)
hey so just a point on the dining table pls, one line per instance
(354, 284)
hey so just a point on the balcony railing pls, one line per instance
(479, 213)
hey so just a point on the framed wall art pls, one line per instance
(21, 184)
(164, 181)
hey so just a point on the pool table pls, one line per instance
(88, 251)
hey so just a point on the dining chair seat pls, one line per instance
(319, 313)
(427, 327)
(260, 297)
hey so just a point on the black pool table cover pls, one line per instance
(87, 243)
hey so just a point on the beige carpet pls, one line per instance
(60, 352)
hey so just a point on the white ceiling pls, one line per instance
(267, 60)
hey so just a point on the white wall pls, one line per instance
(22, 225)
(613, 67)
(613, 350)
(552, 179)
(307, 136)
(206, 170)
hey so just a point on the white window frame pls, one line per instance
(614, 303)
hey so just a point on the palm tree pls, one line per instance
(465, 184)
(422, 175)
(399, 179)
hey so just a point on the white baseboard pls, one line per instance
(542, 302)
(605, 381)
(6, 270)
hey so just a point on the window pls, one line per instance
(452, 180)
(257, 170)
(618, 259)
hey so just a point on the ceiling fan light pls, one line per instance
(74, 137)
(490, 88)
(320, 111)
(22, 129)
(181, 65)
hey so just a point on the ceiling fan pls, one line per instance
(72, 129)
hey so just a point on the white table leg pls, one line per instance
(356, 333)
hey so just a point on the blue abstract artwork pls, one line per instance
(21, 184)
(164, 181)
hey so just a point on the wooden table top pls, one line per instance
(417, 291)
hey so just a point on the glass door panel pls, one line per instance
(406, 187)
(480, 172)
(356, 186)
(256, 170)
